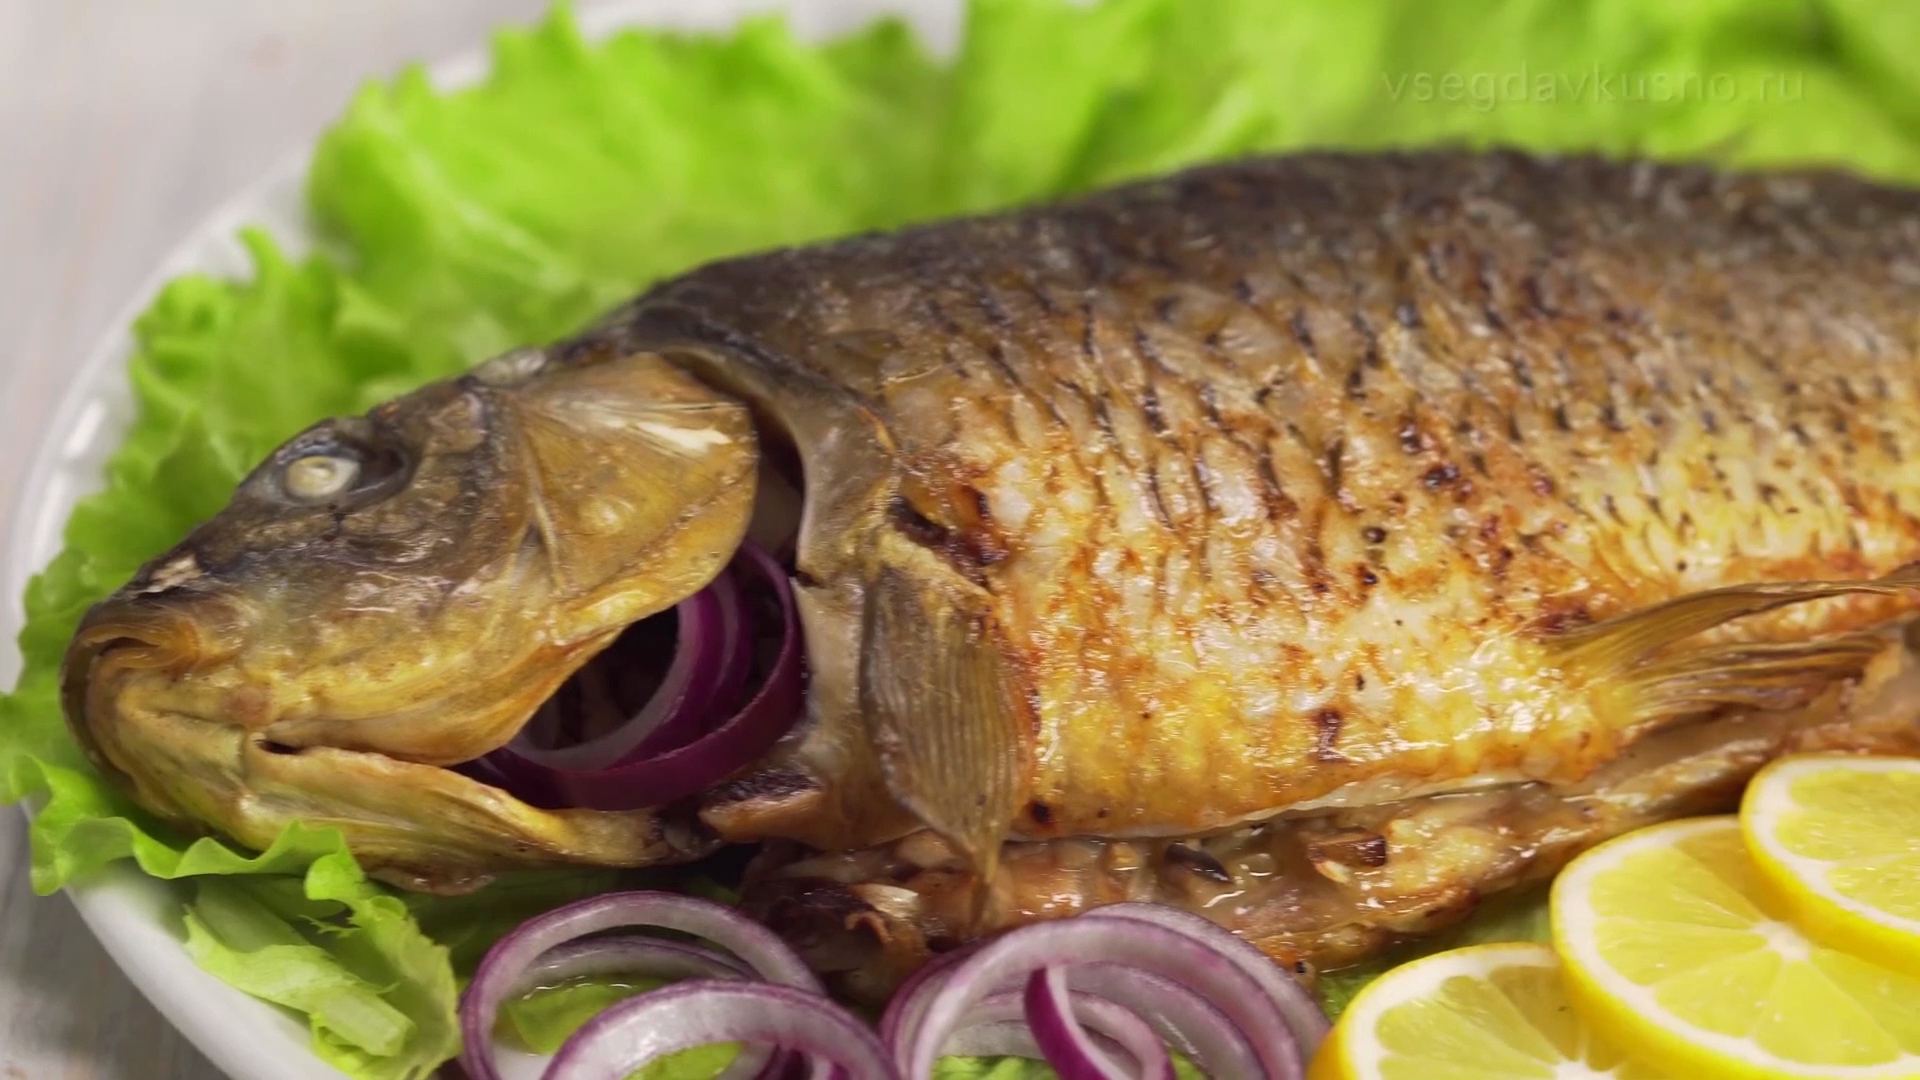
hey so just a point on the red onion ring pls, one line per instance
(529, 952)
(1157, 980)
(644, 1029)
(676, 772)
(711, 635)
(940, 1002)
(1304, 1016)
(1056, 1017)
(1183, 1018)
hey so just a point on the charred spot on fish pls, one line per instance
(1210, 405)
(1150, 352)
(1800, 433)
(280, 748)
(1479, 463)
(1411, 441)
(1440, 475)
(1150, 408)
(1374, 534)
(1613, 511)
(1336, 464)
(1563, 620)
(1370, 342)
(1326, 734)
(1158, 499)
(1560, 419)
(1407, 314)
(1356, 379)
(1367, 577)
(1493, 320)
(1522, 374)
(1301, 332)
(1197, 861)
(1041, 813)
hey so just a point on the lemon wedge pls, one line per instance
(1838, 838)
(1674, 948)
(1489, 1012)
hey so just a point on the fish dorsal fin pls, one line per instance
(942, 715)
(1644, 674)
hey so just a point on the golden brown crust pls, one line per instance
(1279, 473)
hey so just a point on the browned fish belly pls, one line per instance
(1319, 890)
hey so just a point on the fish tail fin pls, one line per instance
(1642, 671)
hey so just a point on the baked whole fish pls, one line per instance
(1323, 543)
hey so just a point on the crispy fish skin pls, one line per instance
(1316, 483)
(1295, 482)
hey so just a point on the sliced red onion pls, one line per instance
(712, 642)
(1056, 1017)
(648, 778)
(909, 1000)
(997, 1026)
(1305, 1018)
(644, 1029)
(519, 960)
(602, 957)
(922, 1027)
(1183, 1018)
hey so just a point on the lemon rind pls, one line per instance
(1574, 932)
(1761, 820)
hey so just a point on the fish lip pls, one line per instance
(130, 634)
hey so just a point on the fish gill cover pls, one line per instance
(463, 223)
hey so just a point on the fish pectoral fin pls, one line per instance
(1742, 675)
(942, 714)
(1641, 670)
(1609, 647)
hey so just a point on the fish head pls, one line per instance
(389, 594)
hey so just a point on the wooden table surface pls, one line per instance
(124, 122)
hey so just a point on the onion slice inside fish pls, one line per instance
(1101, 996)
(682, 741)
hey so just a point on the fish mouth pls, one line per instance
(128, 637)
(127, 692)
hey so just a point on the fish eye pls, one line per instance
(319, 476)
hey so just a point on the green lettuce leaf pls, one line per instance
(458, 224)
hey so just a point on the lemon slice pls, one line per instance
(1839, 840)
(1490, 1012)
(1674, 948)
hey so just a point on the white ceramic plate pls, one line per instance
(135, 916)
